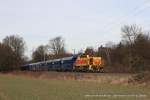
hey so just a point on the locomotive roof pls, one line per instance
(65, 58)
(54, 60)
(37, 63)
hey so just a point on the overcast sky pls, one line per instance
(81, 23)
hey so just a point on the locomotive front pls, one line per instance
(88, 63)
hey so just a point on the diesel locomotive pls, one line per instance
(72, 63)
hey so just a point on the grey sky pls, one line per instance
(82, 23)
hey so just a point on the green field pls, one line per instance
(25, 88)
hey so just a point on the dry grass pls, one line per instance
(112, 78)
(66, 86)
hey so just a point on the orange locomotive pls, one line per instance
(88, 63)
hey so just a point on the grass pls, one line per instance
(25, 88)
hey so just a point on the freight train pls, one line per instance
(72, 63)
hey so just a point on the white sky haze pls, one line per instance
(81, 23)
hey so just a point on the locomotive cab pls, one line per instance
(82, 63)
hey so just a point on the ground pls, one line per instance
(70, 86)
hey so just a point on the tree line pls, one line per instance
(131, 54)
(13, 47)
(54, 49)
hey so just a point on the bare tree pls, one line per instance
(57, 46)
(16, 43)
(107, 50)
(130, 33)
(7, 60)
(110, 44)
(40, 54)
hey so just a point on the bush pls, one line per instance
(142, 77)
(6, 58)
